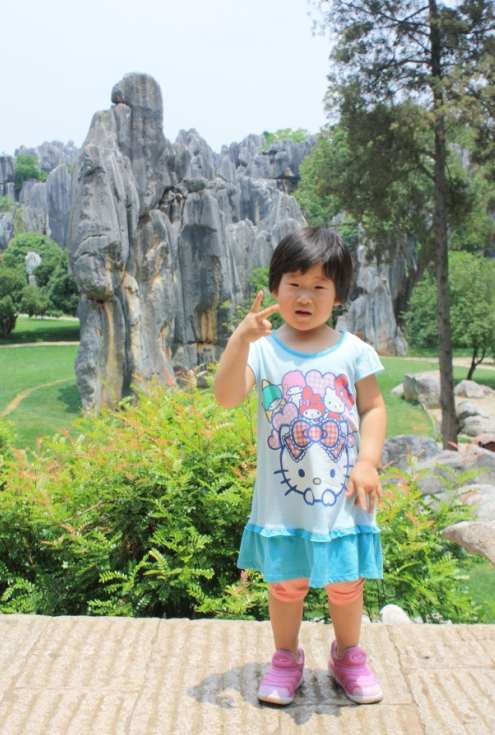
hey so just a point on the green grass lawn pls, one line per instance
(481, 588)
(43, 330)
(45, 409)
(407, 418)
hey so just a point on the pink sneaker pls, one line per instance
(352, 673)
(282, 679)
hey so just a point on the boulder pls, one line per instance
(423, 388)
(478, 537)
(471, 389)
(476, 425)
(482, 497)
(468, 408)
(482, 461)
(394, 615)
(400, 449)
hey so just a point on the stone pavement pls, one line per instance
(106, 676)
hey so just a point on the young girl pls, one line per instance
(313, 513)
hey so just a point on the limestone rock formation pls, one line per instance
(7, 176)
(372, 312)
(51, 155)
(160, 245)
(6, 230)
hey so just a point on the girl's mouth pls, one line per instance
(300, 312)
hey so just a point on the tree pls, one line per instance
(26, 167)
(34, 301)
(12, 281)
(472, 308)
(390, 54)
(60, 292)
(283, 133)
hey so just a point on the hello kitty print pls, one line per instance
(313, 428)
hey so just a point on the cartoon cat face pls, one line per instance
(332, 402)
(315, 476)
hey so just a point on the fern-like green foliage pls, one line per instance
(140, 512)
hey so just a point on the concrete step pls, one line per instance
(100, 676)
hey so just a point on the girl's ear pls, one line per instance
(275, 293)
(336, 302)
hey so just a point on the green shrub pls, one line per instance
(140, 512)
(135, 512)
(286, 133)
(7, 204)
(423, 573)
(26, 167)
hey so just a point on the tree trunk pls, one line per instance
(447, 402)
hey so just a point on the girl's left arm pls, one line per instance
(364, 477)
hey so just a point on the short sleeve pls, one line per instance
(254, 359)
(368, 363)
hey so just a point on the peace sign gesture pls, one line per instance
(255, 324)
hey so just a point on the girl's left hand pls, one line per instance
(365, 482)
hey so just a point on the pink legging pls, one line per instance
(339, 593)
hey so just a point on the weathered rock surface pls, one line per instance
(423, 388)
(394, 615)
(464, 409)
(475, 536)
(400, 449)
(6, 230)
(472, 389)
(372, 312)
(160, 246)
(7, 175)
(50, 155)
(482, 461)
(476, 425)
(253, 157)
(32, 261)
(482, 497)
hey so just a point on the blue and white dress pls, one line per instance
(301, 523)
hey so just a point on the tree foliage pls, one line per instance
(12, 282)
(472, 307)
(26, 167)
(404, 75)
(57, 290)
(283, 133)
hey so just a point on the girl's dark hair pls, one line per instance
(303, 248)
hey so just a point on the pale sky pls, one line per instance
(225, 67)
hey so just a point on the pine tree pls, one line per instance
(437, 55)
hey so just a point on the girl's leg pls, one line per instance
(345, 604)
(286, 604)
(347, 660)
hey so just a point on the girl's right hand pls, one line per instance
(255, 324)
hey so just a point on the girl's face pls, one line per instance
(306, 300)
